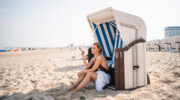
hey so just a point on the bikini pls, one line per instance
(102, 69)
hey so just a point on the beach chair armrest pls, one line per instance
(157, 44)
(130, 45)
(119, 64)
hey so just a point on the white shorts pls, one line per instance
(102, 80)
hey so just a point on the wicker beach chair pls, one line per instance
(175, 44)
(122, 37)
(165, 44)
(153, 45)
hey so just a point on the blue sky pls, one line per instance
(57, 23)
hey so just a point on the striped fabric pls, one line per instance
(109, 38)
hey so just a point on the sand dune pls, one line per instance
(45, 75)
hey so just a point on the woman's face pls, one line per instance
(94, 49)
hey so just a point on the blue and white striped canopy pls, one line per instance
(108, 36)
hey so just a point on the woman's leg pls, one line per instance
(89, 76)
(77, 82)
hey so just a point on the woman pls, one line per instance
(101, 77)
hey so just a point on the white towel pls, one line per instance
(102, 80)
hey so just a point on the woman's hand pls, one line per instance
(82, 72)
(83, 55)
(79, 74)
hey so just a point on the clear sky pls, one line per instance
(57, 23)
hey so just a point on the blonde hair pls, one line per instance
(99, 47)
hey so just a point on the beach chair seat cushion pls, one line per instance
(111, 63)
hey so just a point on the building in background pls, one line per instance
(172, 31)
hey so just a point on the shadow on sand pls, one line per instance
(61, 93)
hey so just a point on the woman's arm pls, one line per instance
(96, 65)
(90, 63)
(84, 60)
(85, 63)
(86, 67)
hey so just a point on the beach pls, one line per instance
(47, 74)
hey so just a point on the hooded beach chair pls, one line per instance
(175, 44)
(122, 37)
(165, 44)
(153, 45)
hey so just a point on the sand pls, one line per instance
(46, 75)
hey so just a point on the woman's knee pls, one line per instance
(89, 73)
(82, 75)
(92, 75)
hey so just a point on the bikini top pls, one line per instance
(102, 68)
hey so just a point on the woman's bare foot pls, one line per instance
(74, 91)
(71, 88)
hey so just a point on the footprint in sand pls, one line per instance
(146, 95)
(167, 81)
(176, 74)
(82, 98)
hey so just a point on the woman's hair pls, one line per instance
(99, 47)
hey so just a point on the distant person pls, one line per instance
(96, 70)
